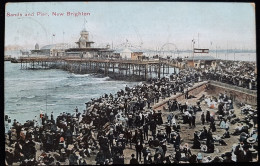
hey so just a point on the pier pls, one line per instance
(142, 69)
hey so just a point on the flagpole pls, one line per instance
(193, 52)
(63, 37)
(198, 40)
(216, 51)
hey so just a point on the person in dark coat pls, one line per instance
(158, 158)
(121, 159)
(193, 159)
(164, 147)
(128, 134)
(241, 157)
(145, 152)
(138, 148)
(211, 147)
(202, 118)
(190, 120)
(226, 134)
(130, 121)
(153, 128)
(133, 160)
(111, 138)
(116, 159)
(145, 129)
(220, 109)
(208, 116)
(159, 118)
(249, 155)
(204, 133)
(168, 131)
(193, 120)
(148, 159)
(178, 155)
(196, 142)
(176, 141)
(73, 159)
(167, 160)
(213, 126)
(100, 158)
(9, 156)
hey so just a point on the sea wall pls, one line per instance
(195, 90)
(238, 94)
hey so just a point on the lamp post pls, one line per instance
(216, 51)
(193, 42)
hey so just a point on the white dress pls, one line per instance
(223, 125)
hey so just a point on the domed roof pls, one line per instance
(84, 31)
(36, 46)
(82, 39)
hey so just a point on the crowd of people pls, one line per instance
(238, 73)
(113, 123)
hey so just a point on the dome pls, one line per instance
(84, 31)
(36, 46)
(82, 39)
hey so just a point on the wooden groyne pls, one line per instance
(141, 69)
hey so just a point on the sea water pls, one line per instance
(28, 92)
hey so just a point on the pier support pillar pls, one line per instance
(159, 70)
(163, 69)
(139, 69)
(145, 72)
(126, 69)
(113, 68)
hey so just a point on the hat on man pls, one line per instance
(250, 140)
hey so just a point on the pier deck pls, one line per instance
(141, 68)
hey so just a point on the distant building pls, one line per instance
(36, 47)
(84, 40)
(137, 55)
(131, 54)
(36, 50)
(85, 50)
(50, 50)
(201, 61)
(126, 53)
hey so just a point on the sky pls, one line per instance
(211, 25)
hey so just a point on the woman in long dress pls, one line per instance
(208, 116)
